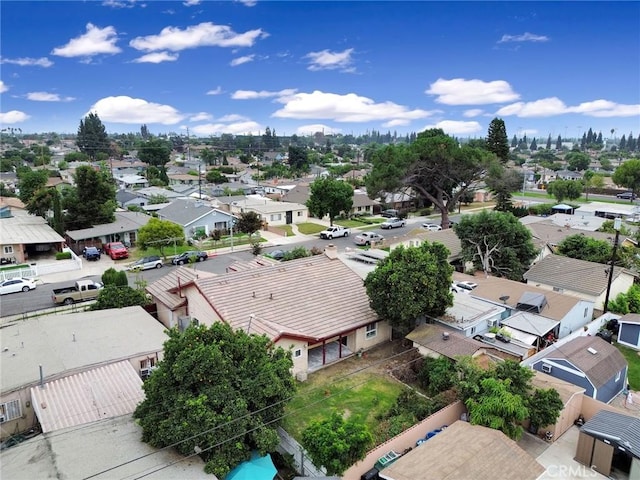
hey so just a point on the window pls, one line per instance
(276, 216)
(299, 214)
(473, 330)
(359, 209)
(586, 310)
(371, 330)
(8, 249)
(147, 363)
(297, 353)
(10, 410)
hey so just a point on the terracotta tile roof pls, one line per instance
(599, 367)
(259, 261)
(466, 452)
(493, 288)
(571, 274)
(13, 202)
(166, 289)
(313, 297)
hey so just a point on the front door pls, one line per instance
(289, 215)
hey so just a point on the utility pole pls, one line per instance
(616, 225)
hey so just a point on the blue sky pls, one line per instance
(300, 67)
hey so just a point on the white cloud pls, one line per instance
(202, 35)
(119, 3)
(474, 112)
(241, 128)
(157, 57)
(248, 3)
(13, 116)
(456, 127)
(343, 108)
(215, 91)
(327, 60)
(28, 62)
(240, 60)
(525, 37)
(47, 97)
(317, 127)
(253, 94)
(396, 123)
(233, 117)
(3, 87)
(96, 41)
(125, 109)
(459, 91)
(606, 108)
(191, 3)
(201, 116)
(547, 107)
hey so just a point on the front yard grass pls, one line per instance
(354, 223)
(310, 228)
(633, 360)
(361, 396)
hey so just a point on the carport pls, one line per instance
(609, 443)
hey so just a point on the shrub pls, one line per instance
(425, 212)
(63, 255)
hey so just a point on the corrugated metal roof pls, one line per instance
(97, 394)
(27, 229)
(530, 323)
(622, 429)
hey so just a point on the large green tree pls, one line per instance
(503, 182)
(336, 443)
(577, 161)
(497, 243)
(497, 140)
(329, 196)
(628, 175)
(585, 248)
(411, 283)
(113, 296)
(561, 189)
(544, 407)
(92, 137)
(30, 181)
(92, 201)
(160, 234)
(298, 159)
(156, 152)
(249, 222)
(219, 392)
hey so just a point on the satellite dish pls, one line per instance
(504, 298)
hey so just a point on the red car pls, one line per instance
(116, 250)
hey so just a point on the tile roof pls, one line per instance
(313, 297)
(622, 429)
(97, 394)
(27, 229)
(571, 274)
(13, 202)
(447, 237)
(166, 288)
(495, 288)
(466, 452)
(599, 367)
(125, 222)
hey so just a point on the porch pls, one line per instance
(323, 355)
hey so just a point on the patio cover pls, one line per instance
(523, 337)
(258, 468)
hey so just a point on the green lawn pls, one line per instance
(239, 239)
(361, 396)
(633, 360)
(310, 228)
(287, 229)
(354, 223)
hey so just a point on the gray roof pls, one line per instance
(27, 229)
(101, 336)
(157, 191)
(571, 274)
(186, 211)
(457, 344)
(125, 222)
(599, 367)
(123, 196)
(623, 430)
(298, 194)
(530, 323)
(552, 234)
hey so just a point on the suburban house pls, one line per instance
(582, 223)
(578, 278)
(588, 362)
(568, 313)
(317, 307)
(471, 316)
(274, 188)
(568, 175)
(273, 213)
(362, 204)
(185, 179)
(465, 451)
(124, 229)
(100, 356)
(447, 237)
(195, 217)
(23, 236)
(158, 192)
(608, 210)
(126, 198)
(131, 181)
(629, 333)
(608, 442)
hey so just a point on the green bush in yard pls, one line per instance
(63, 255)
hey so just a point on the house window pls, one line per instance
(8, 249)
(147, 363)
(617, 377)
(299, 214)
(359, 209)
(10, 410)
(586, 310)
(297, 353)
(371, 330)
(473, 330)
(276, 217)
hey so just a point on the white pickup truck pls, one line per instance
(334, 232)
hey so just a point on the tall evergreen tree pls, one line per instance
(92, 137)
(559, 143)
(534, 145)
(583, 142)
(590, 137)
(623, 142)
(497, 140)
(632, 143)
(514, 141)
(599, 140)
(549, 142)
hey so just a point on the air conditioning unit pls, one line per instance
(492, 323)
(2, 419)
(145, 373)
(546, 368)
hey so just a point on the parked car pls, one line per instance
(277, 254)
(367, 238)
(91, 253)
(390, 213)
(14, 285)
(393, 222)
(432, 227)
(146, 263)
(467, 285)
(116, 250)
(190, 256)
(627, 195)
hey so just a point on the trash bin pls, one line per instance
(372, 474)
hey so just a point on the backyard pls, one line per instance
(632, 358)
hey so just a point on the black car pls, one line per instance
(189, 257)
(91, 253)
(626, 196)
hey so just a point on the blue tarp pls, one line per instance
(258, 468)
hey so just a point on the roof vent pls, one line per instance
(592, 351)
(445, 336)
